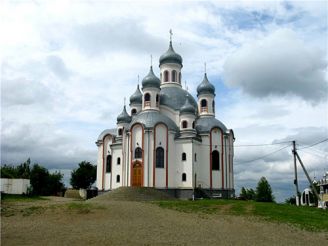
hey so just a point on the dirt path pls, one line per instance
(141, 223)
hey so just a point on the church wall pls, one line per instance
(103, 178)
(116, 169)
(160, 141)
(148, 157)
(202, 164)
(170, 113)
(172, 164)
(217, 145)
(184, 166)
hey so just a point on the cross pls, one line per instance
(205, 66)
(151, 60)
(138, 79)
(171, 33)
(124, 101)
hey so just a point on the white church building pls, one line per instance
(168, 140)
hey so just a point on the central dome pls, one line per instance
(175, 97)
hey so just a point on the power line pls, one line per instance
(314, 154)
(326, 139)
(259, 158)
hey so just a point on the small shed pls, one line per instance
(14, 186)
(307, 198)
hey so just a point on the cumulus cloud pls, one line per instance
(280, 64)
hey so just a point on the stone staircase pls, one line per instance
(133, 194)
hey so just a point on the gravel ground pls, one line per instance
(108, 222)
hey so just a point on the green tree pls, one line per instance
(264, 191)
(84, 176)
(243, 193)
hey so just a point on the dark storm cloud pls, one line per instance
(43, 144)
(280, 65)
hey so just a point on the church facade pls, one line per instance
(168, 140)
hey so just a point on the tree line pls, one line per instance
(263, 192)
(44, 183)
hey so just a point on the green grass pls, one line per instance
(311, 219)
(20, 198)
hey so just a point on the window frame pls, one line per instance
(215, 164)
(184, 156)
(138, 153)
(159, 158)
(109, 164)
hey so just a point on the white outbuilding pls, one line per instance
(168, 140)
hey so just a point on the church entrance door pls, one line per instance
(137, 174)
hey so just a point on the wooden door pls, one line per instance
(137, 174)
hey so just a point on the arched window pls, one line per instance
(157, 100)
(147, 99)
(179, 77)
(174, 76)
(215, 160)
(120, 132)
(203, 104)
(184, 124)
(118, 161)
(193, 125)
(184, 156)
(160, 157)
(133, 111)
(184, 177)
(109, 164)
(118, 178)
(138, 153)
(213, 106)
(195, 156)
(166, 76)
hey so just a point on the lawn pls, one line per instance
(311, 219)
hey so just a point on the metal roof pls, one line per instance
(170, 56)
(205, 87)
(204, 124)
(150, 118)
(175, 97)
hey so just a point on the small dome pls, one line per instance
(136, 97)
(187, 108)
(151, 80)
(170, 57)
(124, 117)
(205, 87)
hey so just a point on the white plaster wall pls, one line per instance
(189, 118)
(14, 186)
(153, 92)
(184, 166)
(101, 164)
(148, 158)
(116, 169)
(160, 173)
(173, 115)
(209, 99)
(172, 164)
(216, 142)
(203, 162)
(170, 67)
(99, 167)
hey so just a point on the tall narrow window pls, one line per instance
(166, 76)
(118, 178)
(184, 124)
(184, 156)
(120, 132)
(157, 100)
(160, 157)
(118, 161)
(109, 164)
(203, 104)
(138, 153)
(174, 76)
(193, 125)
(195, 156)
(215, 160)
(213, 106)
(179, 77)
(184, 177)
(147, 99)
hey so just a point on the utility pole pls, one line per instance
(295, 171)
(308, 177)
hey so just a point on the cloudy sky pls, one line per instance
(67, 65)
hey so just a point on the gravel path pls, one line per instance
(110, 222)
